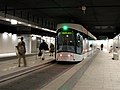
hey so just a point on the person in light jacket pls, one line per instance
(21, 52)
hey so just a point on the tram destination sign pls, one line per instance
(66, 32)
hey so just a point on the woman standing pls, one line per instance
(51, 49)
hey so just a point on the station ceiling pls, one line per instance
(100, 17)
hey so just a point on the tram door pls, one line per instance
(79, 43)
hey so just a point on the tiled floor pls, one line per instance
(10, 66)
(102, 74)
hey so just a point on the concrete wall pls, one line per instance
(8, 43)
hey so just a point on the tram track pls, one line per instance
(42, 76)
(25, 71)
(36, 79)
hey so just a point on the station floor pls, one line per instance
(96, 72)
(11, 64)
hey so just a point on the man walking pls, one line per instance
(43, 46)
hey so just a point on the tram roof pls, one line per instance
(77, 27)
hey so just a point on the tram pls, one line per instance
(74, 43)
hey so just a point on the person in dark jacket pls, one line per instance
(101, 46)
(51, 49)
(43, 47)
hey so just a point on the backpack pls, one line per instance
(21, 49)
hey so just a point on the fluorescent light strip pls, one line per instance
(26, 24)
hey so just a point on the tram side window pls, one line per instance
(79, 43)
(78, 40)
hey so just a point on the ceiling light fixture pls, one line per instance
(7, 19)
(29, 24)
(19, 22)
(36, 26)
(13, 21)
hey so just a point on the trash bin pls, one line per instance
(115, 56)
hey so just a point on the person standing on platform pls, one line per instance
(21, 52)
(51, 49)
(101, 46)
(111, 49)
(43, 47)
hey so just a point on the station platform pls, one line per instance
(99, 72)
(9, 64)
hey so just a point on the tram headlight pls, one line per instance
(60, 55)
(69, 55)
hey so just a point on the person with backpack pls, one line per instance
(21, 52)
(42, 48)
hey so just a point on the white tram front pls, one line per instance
(74, 42)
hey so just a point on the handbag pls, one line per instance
(40, 53)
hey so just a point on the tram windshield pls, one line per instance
(66, 41)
